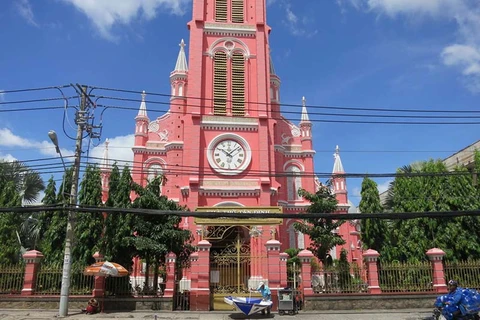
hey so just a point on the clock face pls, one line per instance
(229, 155)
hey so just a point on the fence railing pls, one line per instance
(339, 279)
(406, 277)
(11, 278)
(49, 280)
(467, 273)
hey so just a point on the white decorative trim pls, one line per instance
(229, 204)
(293, 163)
(229, 50)
(174, 145)
(154, 160)
(229, 123)
(185, 191)
(229, 193)
(231, 29)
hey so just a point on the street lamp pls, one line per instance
(67, 261)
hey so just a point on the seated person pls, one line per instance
(92, 306)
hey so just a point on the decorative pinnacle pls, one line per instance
(337, 150)
(143, 95)
(182, 44)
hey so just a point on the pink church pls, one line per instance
(225, 146)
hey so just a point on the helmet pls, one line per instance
(260, 285)
(453, 283)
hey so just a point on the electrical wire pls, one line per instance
(34, 89)
(217, 213)
(35, 100)
(293, 105)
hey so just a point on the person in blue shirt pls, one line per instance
(266, 294)
(454, 296)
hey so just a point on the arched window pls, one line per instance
(229, 84)
(220, 84)
(153, 171)
(236, 14)
(294, 182)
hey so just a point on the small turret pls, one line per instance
(179, 76)
(141, 123)
(339, 182)
(306, 128)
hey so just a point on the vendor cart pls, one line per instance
(286, 302)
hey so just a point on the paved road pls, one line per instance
(330, 315)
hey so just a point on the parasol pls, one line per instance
(105, 269)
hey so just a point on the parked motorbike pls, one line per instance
(468, 308)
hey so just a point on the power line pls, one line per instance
(31, 109)
(293, 105)
(240, 215)
(37, 100)
(321, 120)
(35, 89)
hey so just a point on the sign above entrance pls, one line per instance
(236, 221)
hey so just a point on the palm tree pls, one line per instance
(28, 183)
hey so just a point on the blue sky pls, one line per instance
(387, 54)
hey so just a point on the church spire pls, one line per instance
(272, 67)
(337, 166)
(142, 112)
(181, 66)
(105, 160)
(304, 111)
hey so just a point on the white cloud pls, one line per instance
(105, 14)
(25, 10)
(465, 13)
(119, 150)
(9, 139)
(298, 26)
(7, 157)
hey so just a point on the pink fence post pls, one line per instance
(273, 256)
(170, 277)
(306, 257)
(99, 282)
(283, 269)
(371, 257)
(436, 257)
(200, 296)
(32, 262)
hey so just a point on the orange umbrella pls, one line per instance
(105, 269)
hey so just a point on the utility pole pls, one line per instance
(80, 120)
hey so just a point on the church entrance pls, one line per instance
(230, 263)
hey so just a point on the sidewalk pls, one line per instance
(152, 315)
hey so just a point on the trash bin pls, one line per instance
(286, 302)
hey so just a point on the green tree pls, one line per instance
(157, 235)
(119, 226)
(27, 182)
(373, 230)
(321, 230)
(9, 223)
(434, 191)
(53, 242)
(89, 226)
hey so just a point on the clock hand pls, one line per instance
(231, 152)
(225, 152)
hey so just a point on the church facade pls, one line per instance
(225, 146)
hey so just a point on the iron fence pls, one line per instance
(467, 273)
(406, 277)
(11, 278)
(340, 279)
(49, 280)
(118, 286)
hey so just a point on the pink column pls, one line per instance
(32, 262)
(99, 282)
(170, 278)
(193, 273)
(200, 298)
(306, 257)
(273, 257)
(283, 269)
(436, 257)
(371, 257)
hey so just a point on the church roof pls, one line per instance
(181, 66)
(272, 67)
(305, 117)
(337, 166)
(142, 112)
